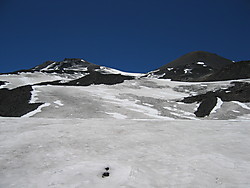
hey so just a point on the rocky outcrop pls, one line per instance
(238, 92)
(95, 78)
(194, 66)
(15, 102)
(237, 70)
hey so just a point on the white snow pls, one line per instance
(236, 111)
(77, 68)
(187, 71)
(67, 153)
(242, 105)
(4, 85)
(115, 71)
(147, 104)
(58, 102)
(217, 106)
(34, 94)
(117, 115)
(38, 110)
(170, 68)
(200, 63)
(33, 78)
(48, 67)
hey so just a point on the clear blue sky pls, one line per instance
(130, 35)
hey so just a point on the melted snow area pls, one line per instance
(67, 153)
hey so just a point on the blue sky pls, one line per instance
(130, 35)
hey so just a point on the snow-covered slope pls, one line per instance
(139, 98)
(74, 153)
(84, 125)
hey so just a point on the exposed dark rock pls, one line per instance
(95, 78)
(237, 70)
(209, 59)
(2, 83)
(240, 91)
(15, 102)
(68, 65)
(194, 66)
(107, 168)
(105, 174)
(206, 106)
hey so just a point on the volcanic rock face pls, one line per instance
(194, 66)
(68, 65)
(2, 83)
(238, 92)
(15, 102)
(237, 70)
(95, 78)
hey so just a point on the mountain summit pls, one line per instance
(67, 65)
(200, 58)
(194, 66)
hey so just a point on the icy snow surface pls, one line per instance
(67, 153)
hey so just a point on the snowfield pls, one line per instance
(73, 153)
(137, 134)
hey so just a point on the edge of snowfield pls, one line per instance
(67, 153)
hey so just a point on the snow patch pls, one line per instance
(48, 67)
(170, 68)
(116, 115)
(147, 104)
(58, 102)
(236, 111)
(218, 105)
(200, 63)
(187, 71)
(242, 105)
(115, 71)
(39, 109)
(4, 85)
(34, 95)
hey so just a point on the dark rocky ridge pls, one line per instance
(15, 102)
(68, 65)
(2, 83)
(194, 66)
(237, 70)
(191, 67)
(238, 92)
(95, 78)
(210, 59)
